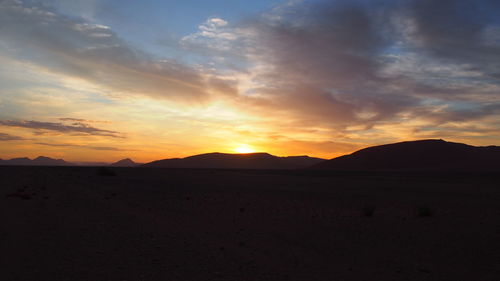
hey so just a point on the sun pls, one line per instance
(243, 149)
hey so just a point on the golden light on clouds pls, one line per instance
(239, 87)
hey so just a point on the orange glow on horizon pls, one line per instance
(244, 149)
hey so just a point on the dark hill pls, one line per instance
(46, 161)
(237, 161)
(18, 161)
(127, 162)
(39, 161)
(422, 155)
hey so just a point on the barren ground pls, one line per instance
(71, 223)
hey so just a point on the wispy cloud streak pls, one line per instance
(79, 128)
(103, 148)
(7, 137)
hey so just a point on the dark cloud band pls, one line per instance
(80, 128)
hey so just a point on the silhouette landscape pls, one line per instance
(394, 210)
(283, 140)
(421, 155)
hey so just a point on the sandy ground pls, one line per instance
(159, 224)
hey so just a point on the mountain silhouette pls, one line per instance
(127, 162)
(18, 161)
(421, 155)
(236, 161)
(39, 161)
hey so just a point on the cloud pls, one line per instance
(356, 63)
(95, 53)
(82, 120)
(322, 65)
(78, 128)
(461, 31)
(214, 35)
(312, 64)
(103, 148)
(7, 137)
(313, 71)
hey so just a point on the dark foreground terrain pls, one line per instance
(139, 224)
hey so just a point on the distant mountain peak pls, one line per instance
(254, 160)
(44, 158)
(41, 157)
(39, 161)
(20, 158)
(127, 162)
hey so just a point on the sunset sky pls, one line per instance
(101, 80)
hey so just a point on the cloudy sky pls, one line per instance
(100, 80)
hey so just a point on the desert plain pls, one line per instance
(152, 224)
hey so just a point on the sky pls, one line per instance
(102, 80)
